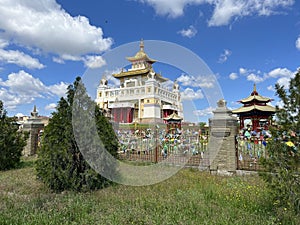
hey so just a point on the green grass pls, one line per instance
(189, 197)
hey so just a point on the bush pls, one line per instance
(61, 165)
(283, 163)
(12, 141)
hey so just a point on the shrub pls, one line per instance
(12, 141)
(61, 165)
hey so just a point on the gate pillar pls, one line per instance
(221, 146)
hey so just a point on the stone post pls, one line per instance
(221, 145)
(33, 125)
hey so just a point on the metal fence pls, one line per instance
(249, 150)
(189, 148)
(157, 146)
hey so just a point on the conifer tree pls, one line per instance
(61, 164)
(12, 141)
(283, 163)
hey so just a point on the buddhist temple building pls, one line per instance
(141, 96)
(256, 108)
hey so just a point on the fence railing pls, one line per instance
(249, 151)
(174, 149)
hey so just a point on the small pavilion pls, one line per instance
(256, 108)
(173, 122)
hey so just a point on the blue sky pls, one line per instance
(46, 44)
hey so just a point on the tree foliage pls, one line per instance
(61, 163)
(12, 141)
(283, 163)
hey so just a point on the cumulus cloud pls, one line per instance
(94, 62)
(58, 89)
(204, 112)
(255, 78)
(280, 72)
(43, 26)
(271, 88)
(199, 81)
(283, 76)
(20, 59)
(189, 32)
(23, 88)
(243, 71)
(233, 76)
(298, 43)
(50, 107)
(190, 94)
(223, 11)
(224, 56)
(3, 43)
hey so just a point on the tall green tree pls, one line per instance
(68, 141)
(283, 163)
(12, 141)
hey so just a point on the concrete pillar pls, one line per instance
(221, 145)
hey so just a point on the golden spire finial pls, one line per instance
(254, 87)
(142, 45)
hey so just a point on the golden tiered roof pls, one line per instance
(255, 102)
(264, 108)
(141, 55)
(173, 116)
(255, 96)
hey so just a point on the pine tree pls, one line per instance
(61, 163)
(12, 141)
(283, 163)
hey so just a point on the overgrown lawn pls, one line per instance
(189, 197)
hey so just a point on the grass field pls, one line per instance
(189, 197)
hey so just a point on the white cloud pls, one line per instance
(284, 81)
(50, 106)
(3, 43)
(243, 71)
(224, 56)
(190, 94)
(280, 72)
(24, 84)
(199, 81)
(204, 112)
(168, 84)
(271, 88)
(172, 8)
(298, 43)
(233, 76)
(44, 26)
(59, 89)
(224, 11)
(255, 78)
(189, 32)
(23, 88)
(94, 62)
(112, 82)
(20, 59)
(58, 60)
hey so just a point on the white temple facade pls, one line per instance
(141, 97)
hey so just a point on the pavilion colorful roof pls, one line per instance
(255, 97)
(173, 116)
(255, 102)
(263, 108)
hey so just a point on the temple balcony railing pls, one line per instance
(140, 92)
